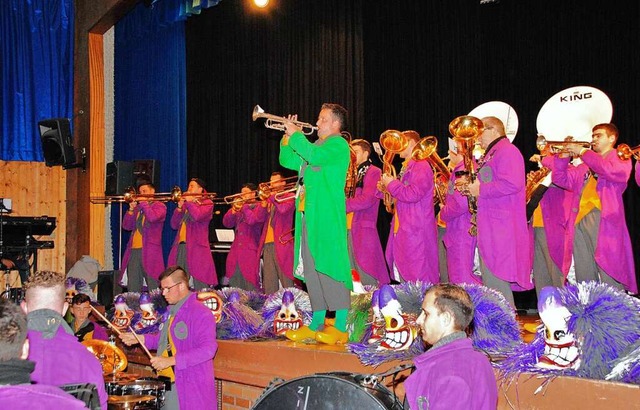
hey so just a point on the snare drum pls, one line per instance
(131, 401)
(139, 387)
(328, 391)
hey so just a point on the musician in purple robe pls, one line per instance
(637, 173)
(365, 249)
(143, 259)
(412, 247)
(601, 243)
(191, 247)
(247, 217)
(503, 236)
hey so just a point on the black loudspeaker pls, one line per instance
(57, 147)
(108, 287)
(146, 169)
(119, 177)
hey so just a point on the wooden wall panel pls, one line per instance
(38, 190)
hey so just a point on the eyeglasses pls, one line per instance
(169, 288)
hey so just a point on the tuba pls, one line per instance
(425, 149)
(466, 129)
(393, 142)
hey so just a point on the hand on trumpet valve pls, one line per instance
(290, 127)
(129, 339)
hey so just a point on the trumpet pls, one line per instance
(558, 147)
(393, 142)
(625, 152)
(275, 122)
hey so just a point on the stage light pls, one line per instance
(261, 3)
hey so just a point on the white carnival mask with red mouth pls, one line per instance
(400, 329)
(287, 318)
(213, 301)
(560, 351)
(123, 315)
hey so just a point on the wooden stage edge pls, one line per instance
(258, 363)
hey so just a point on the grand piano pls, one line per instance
(17, 236)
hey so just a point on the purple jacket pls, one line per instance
(38, 396)
(503, 236)
(61, 359)
(281, 223)
(459, 243)
(248, 223)
(452, 376)
(152, 257)
(613, 250)
(367, 248)
(637, 174)
(193, 332)
(199, 258)
(414, 249)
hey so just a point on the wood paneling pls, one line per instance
(37, 190)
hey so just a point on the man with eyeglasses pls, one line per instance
(185, 347)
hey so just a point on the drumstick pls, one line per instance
(105, 319)
(140, 341)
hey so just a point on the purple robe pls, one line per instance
(613, 249)
(38, 396)
(63, 360)
(281, 222)
(459, 242)
(637, 173)
(503, 235)
(367, 248)
(193, 331)
(199, 258)
(244, 252)
(152, 257)
(452, 376)
(414, 249)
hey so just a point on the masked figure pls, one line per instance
(123, 315)
(74, 286)
(152, 311)
(213, 301)
(285, 309)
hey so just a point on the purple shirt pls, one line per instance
(193, 331)
(38, 396)
(452, 376)
(197, 217)
(503, 235)
(414, 249)
(248, 223)
(152, 257)
(613, 251)
(367, 248)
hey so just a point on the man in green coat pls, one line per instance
(321, 257)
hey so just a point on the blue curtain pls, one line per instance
(36, 72)
(150, 83)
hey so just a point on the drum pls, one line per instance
(327, 391)
(139, 387)
(136, 401)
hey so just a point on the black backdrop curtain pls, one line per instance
(408, 64)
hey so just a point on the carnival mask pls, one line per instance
(560, 350)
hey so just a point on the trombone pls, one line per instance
(558, 147)
(275, 122)
(625, 152)
(176, 195)
(130, 195)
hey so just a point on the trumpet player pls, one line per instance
(601, 243)
(412, 247)
(276, 240)
(143, 259)
(365, 249)
(191, 247)
(503, 237)
(247, 217)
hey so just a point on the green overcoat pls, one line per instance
(325, 204)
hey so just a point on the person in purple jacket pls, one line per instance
(143, 258)
(451, 374)
(59, 357)
(185, 347)
(277, 238)
(365, 249)
(16, 390)
(637, 168)
(243, 261)
(503, 236)
(601, 243)
(412, 247)
(191, 247)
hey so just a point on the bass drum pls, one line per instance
(328, 391)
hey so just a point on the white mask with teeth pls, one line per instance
(400, 329)
(560, 350)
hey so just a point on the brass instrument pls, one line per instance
(176, 195)
(352, 174)
(558, 147)
(130, 195)
(393, 142)
(534, 179)
(425, 149)
(625, 152)
(465, 130)
(275, 122)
